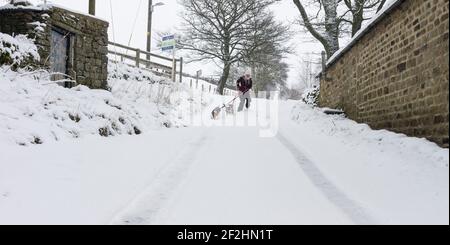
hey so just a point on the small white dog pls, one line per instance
(230, 109)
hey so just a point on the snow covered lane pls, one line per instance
(85, 181)
(319, 170)
(239, 178)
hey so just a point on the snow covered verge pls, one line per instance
(14, 50)
(352, 132)
(398, 179)
(311, 96)
(35, 110)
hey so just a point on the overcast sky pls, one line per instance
(166, 18)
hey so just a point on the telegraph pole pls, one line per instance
(149, 28)
(151, 8)
(92, 7)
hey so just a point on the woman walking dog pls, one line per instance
(244, 85)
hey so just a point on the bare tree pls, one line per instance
(381, 5)
(266, 51)
(272, 77)
(328, 20)
(223, 30)
(329, 37)
(308, 69)
(358, 10)
(269, 71)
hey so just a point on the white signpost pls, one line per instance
(169, 43)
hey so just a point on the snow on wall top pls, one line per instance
(388, 7)
(23, 4)
(45, 7)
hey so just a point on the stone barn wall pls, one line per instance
(396, 75)
(87, 61)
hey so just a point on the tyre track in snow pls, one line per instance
(151, 202)
(352, 209)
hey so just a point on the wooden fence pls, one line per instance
(165, 67)
(161, 65)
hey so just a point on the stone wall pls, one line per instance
(89, 39)
(396, 76)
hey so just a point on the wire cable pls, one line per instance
(135, 22)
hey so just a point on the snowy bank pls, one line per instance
(311, 96)
(398, 179)
(361, 134)
(16, 49)
(36, 111)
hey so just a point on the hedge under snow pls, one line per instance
(16, 49)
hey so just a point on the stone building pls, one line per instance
(395, 74)
(69, 43)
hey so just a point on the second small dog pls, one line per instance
(230, 109)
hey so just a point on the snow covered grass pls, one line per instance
(16, 49)
(361, 134)
(311, 95)
(122, 71)
(34, 110)
(399, 179)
